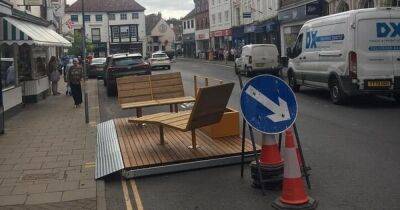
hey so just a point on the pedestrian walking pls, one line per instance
(226, 55)
(66, 73)
(75, 76)
(54, 75)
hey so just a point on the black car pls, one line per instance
(120, 65)
(96, 68)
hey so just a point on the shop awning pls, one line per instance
(22, 32)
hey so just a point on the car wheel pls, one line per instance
(338, 96)
(293, 83)
(248, 72)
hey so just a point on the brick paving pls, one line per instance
(47, 155)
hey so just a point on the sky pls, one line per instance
(168, 8)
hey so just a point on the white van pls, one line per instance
(349, 53)
(256, 58)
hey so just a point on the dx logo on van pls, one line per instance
(387, 29)
(311, 39)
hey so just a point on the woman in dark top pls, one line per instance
(74, 78)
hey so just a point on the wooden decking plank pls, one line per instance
(135, 149)
(185, 139)
(153, 134)
(161, 150)
(132, 149)
(210, 144)
(125, 157)
(133, 160)
(145, 147)
(215, 144)
(178, 145)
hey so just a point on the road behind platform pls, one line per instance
(352, 150)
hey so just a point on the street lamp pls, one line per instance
(84, 63)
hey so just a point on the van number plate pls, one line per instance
(379, 83)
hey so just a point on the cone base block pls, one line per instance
(272, 176)
(311, 204)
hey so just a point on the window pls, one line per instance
(238, 16)
(135, 15)
(124, 33)
(298, 46)
(219, 17)
(96, 35)
(74, 18)
(226, 16)
(155, 39)
(111, 16)
(343, 7)
(115, 34)
(99, 18)
(87, 18)
(213, 19)
(127, 61)
(188, 24)
(8, 74)
(184, 25)
(122, 16)
(133, 33)
(192, 23)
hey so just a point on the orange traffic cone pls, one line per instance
(294, 195)
(270, 155)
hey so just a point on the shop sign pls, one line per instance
(226, 32)
(33, 2)
(301, 12)
(250, 29)
(202, 35)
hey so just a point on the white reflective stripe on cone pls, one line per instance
(268, 139)
(291, 169)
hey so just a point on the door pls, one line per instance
(395, 18)
(375, 47)
(297, 58)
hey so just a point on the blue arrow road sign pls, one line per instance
(268, 104)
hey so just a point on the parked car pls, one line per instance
(120, 65)
(350, 53)
(160, 60)
(96, 67)
(258, 58)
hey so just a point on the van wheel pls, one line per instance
(338, 96)
(293, 83)
(248, 72)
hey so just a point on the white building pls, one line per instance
(117, 26)
(220, 23)
(188, 34)
(255, 22)
(161, 37)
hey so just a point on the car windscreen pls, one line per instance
(127, 61)
(161, 55)
(98, 61)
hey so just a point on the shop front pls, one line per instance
(126, 48)
(189, 45)
(202, 38)
(221, 39)
(291, 19)
(28, 48)
(100, 49)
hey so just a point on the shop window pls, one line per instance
(133, 33)
(74, 18)
(123, 16)
(343, 7)
(96, 35)
(135, 15)
(99, 18)
(124, 33)
(87, 18)
(115, 34)
(8, 73)
(111, 16)
(396, 3)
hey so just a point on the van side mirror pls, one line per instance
(289, 52)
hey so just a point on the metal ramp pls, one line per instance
(108, 152)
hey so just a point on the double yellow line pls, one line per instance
(136, 195)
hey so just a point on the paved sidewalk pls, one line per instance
(47, 155)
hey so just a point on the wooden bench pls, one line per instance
(208, 109)
(151, 90)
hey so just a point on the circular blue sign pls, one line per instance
(268, 104)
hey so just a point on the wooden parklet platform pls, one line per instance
(141, 150)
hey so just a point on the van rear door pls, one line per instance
(395, 18)
(373, 48)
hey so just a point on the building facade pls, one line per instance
(202, 28)
(161, 37)
(220, 16)
(188, 35)
(293, 14)
(117, 26)
(255, 22)
(336, 6)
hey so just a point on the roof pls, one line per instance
(190, 15)
(151, 22)
(106, 6)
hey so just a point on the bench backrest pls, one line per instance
(149, 87)
(210, 105)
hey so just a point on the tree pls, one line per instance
(76, 48)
